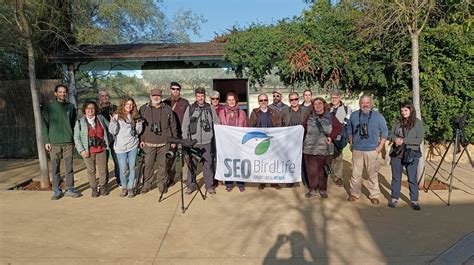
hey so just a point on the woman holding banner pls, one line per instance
(321, 127)
(232, 115)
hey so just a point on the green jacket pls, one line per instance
(81, 140)
(58, 123)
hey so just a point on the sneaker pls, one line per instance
(339, 183)
(123, 193)
(311, 193)
(131, 194)
(324, 195)
(352, 198)
(189, 191)
(241, 188)
(392, 203)
(261, 186)
(415, 206)
(72, 193)
(57, 195)
(228, 188)
(211, 191)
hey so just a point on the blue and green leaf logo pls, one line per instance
(262, 139)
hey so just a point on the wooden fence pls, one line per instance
(17, 124)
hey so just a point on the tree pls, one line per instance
(25, 30)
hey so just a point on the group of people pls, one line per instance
(105, 130)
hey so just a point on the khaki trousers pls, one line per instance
(369, 160)
(99, 161)
(337, 166)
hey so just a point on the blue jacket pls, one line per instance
(377, 128)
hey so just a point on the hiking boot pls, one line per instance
(189, 191)
(72, 193)
(57, 195)
(144, 190)
(211, 191)
(94, 192)
(131, 194)
(103, 190)
(374, 201)
(311, 193)
(261, 186)
(123, 193)
(339, 183)
(392, 203)
(276, 186)
(228, 188)
(324, 194)
(241, 188)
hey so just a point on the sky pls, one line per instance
(223, 14)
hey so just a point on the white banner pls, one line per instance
(265, 155)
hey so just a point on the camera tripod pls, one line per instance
(459, 140)
(184, 152)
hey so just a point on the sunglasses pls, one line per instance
(293, 99)
(263, 100)
(214, 98)
(175, 88)
(276, 96)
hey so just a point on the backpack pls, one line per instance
(341, 140)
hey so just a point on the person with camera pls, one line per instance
(367, 131)
(159, 125)
(264, 117)
(178, 105)
(106, 109)
(321, 128)
(91, 140)
(342, 113)
(232, 115)
(125, 125)
(198, 123)
(58, 120)
(406, 136)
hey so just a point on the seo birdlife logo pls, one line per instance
(260, 139)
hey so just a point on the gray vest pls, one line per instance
(315, 140)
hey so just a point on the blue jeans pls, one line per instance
(397, 168)
(122, 161)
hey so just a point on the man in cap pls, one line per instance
(277, 104)
(159, 125)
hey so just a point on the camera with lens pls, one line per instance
(364, 130)
(328, 170)
(156, 128)
(397, 151)
(94, 141)
(170, 154)
(206, 126)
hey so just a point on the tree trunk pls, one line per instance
(72, 84)
(415, 73)
(25, 28)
